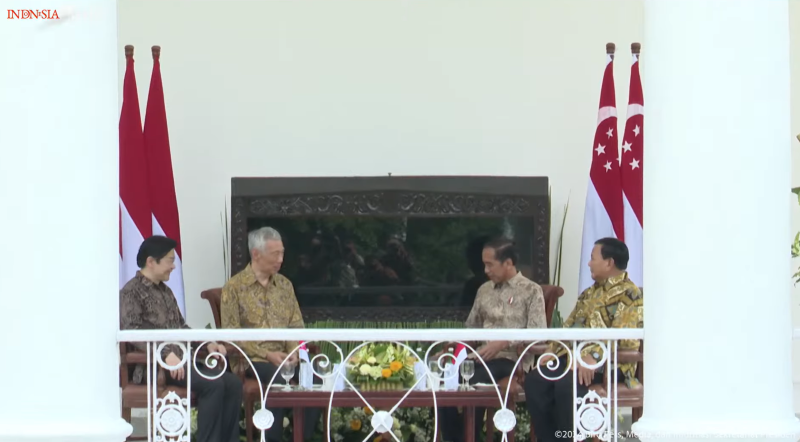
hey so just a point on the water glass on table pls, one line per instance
(436, 375)
(467, 372)
(287, 373)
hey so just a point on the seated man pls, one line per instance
(260, 297)
(146, 303)
(612, 302)
(507, 300)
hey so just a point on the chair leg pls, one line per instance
(636, 414)
(248, 418)
(489, 424)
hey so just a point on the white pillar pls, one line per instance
(59, 113)
(717, 278)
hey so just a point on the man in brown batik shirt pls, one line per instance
(260, 297)
(147, 303)
(507, 300)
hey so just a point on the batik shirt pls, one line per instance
(146, 305)
(612, 303)
(516, 303)
(248, 304)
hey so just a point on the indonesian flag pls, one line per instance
(632, 167)
(603, 216)
(303, 351)
(134, 202)
(460, 354)
(161, 184)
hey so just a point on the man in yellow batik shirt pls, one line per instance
(613, 301)
(260, 297)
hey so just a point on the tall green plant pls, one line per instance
(796, 243)
(226, 263)
(557, 319)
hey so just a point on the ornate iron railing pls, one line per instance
(352, 379)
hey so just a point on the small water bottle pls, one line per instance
(450, 374)
(420, 372)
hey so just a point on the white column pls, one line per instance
(59, 113)
(717, 278)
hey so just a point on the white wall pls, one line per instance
(337, 88)
(794, 29)
(346, 87)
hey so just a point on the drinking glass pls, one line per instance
(467, 372)
(287, 373)
(436, 374)
(324, 369)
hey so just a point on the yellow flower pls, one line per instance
(378, 439)
(396, 366)
(367, 411)
(355, 424)
(386, 372)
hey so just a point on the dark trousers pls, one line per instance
(551, 404)
(451, 422)
(219, 403)
(311, 417)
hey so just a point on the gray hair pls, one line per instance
(257, 239)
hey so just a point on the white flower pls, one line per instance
(364, 369)
(375, 372)
(285, 422)
(396, 423)
(372, 360)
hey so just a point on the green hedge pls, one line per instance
(329, 350)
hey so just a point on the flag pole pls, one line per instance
(611, 48)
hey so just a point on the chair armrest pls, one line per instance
(628, 356)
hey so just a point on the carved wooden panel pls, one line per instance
(392, 196)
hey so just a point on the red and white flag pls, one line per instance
(303, 351)
(603, 216)
(460, 354)
(632, 166)
(134, 203)
(161, 184)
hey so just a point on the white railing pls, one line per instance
(349, 384)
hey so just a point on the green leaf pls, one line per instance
(796, 191)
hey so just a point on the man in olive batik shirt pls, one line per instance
(613, 301)
(260, 297)
(147, 303)
(507, 300)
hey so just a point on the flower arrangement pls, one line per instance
(382, 367)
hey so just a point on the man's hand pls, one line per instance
(173, 360)
(545, 358)
(585, 375)
(293, 358)
(217, 348)
(491, 349)
(276, 357)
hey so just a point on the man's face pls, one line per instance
(599, 267)
(270, 259)
(495, 270)
(161, 269)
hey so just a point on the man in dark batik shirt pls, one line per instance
(146, 303)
